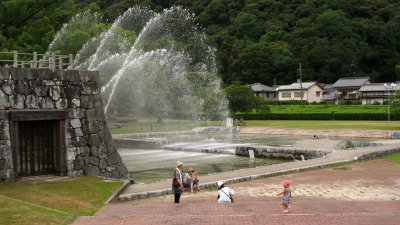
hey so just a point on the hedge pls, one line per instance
(316, 116)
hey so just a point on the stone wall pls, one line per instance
(89, 145)
(394, 135)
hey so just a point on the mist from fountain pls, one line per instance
(167, 71)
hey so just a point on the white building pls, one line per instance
(312, 92)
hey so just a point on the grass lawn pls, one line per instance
(394, 157)
(61, 201)
(325, 124)
(328, 108)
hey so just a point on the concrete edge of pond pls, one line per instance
(114, 198)
(367, 155)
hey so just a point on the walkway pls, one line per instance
(355, 193)
(140, 191)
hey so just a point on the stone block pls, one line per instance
(49, 82)
(111, 147)
(17, 101)
(32, 102)
(45, 74)
(7, 88)
(79, 163)
(41, 90)
(94, 161)
(18, 73)
(75, 103)
(47, 103)
(22, 87)
(5, 102)
(91, 114)
(2, 164)
(97, 101)
(70, 75)
(73, 92)
(84, 151)
(103, 151)
(78, 132)
(4, 130)
(82, 141)
(55, 92)
(103, 164)
(102, 124)
(3, 174)
(4, 73)
(122, 170)
(93, 126)
(94, 151)
(61, 103)
(88, 87)
(94, 140)
(114, 159)
(75, 123)
(87, 101)
(105, 136)
(104, 174)
(75, 113)
(115, 175)
(91, 170)
(100, 114)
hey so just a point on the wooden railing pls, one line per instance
(35, 60)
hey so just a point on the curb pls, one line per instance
(114, 197)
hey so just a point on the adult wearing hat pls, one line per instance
(177, 186)
(191, 179)
(225, 194)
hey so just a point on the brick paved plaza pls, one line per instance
(366, 192)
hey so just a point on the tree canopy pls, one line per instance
(256, 40)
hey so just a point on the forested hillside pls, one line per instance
(256, 40)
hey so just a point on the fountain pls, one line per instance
(156, 64)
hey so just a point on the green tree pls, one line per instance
(241, 98)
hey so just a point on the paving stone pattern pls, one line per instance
(304, 212)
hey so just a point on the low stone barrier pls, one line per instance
(394, 135)
(356, 144)
(280, 152)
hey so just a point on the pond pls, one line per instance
(151, 165)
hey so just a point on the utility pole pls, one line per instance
(276, 94)
(301, 83)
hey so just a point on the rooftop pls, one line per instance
(257, 87)
(379, 87)
(296, 86)
(351, 81)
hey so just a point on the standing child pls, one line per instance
(287, 195)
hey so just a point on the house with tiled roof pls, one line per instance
(346, 88)
(377, 92)
(265, 92)
(311, 91)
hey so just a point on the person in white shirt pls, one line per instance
(225, 194)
